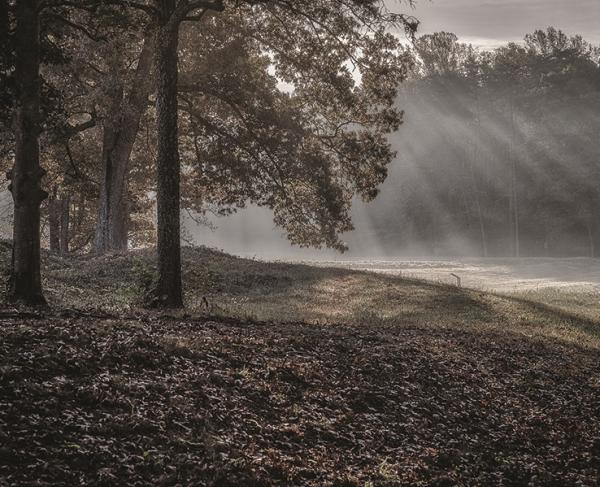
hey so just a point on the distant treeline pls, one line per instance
(500, 152)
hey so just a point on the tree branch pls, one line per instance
(81, 127)
(187, 7)
(78, 27)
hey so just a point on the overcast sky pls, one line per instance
(489, 23)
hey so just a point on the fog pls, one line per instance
(501, 131)
(498, 157)
(252, 233)
(492, 23)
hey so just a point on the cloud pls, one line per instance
(489, 23)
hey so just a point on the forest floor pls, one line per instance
(294, 375)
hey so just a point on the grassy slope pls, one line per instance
(583, 301)
(286, 292)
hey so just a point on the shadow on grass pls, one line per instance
(582, 324)
(422, 302)
(293, 292)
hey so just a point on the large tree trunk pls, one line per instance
(168, 292)
(25, 281)
(4, 28)
(120, 131)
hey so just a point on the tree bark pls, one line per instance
(54, 222)
(59, 216)
(4, 27)
(25, 285)
(168, 291)
(79, 215)
(120, 131)
(65, 214)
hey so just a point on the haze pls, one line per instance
(490, 23)
(487, 25)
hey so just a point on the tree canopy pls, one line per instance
(282, 104)
(499, 153)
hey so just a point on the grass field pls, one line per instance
(569, 284)
(290, 374)
(220, 284)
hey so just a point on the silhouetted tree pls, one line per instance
(25, 280)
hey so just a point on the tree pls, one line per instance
(121, 126)
(296, 36)
(6, 60)
(25, 279)
(510, 129)
(103, 86)
(304, 152)
(40, 28)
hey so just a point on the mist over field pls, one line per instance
(497, 157)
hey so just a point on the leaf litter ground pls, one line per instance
(155, 400)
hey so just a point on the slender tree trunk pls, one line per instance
(477, 154)
(482, 233)
(514, 192)
(25, 284)
(168, 292)
(475, 191)
(58, 222)
(120, 131)
(80, 212)
(590, 231)
(54, 221)
(65, 213)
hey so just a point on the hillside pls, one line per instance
(219, 284)
(295, 375)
